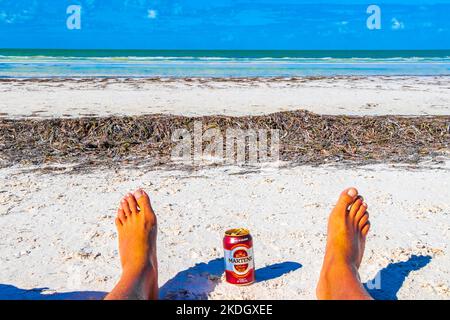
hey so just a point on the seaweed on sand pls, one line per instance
(305, 138)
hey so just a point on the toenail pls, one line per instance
(351, 192)
(138, 193)
(365, 204)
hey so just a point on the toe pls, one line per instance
(125, 207)
(355, 207)
(365, 229)
(361, 211)
(145, 205)
(121, 215)
(346, 198)
(118, 222)
(364, 220)
(132, 203)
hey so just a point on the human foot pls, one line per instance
(136, 225)
(348, 226)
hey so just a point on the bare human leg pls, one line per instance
(136, 225)
(348, 226)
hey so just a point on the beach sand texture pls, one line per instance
(235, 97)
(58, 238)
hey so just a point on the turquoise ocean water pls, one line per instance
(178, 63)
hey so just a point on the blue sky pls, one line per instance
(225, 24)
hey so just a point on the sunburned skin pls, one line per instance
(136, 225)
(348, 226)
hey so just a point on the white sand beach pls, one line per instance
(58, 239)
(58, 230)
(196, 97)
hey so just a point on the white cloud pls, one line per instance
(152, 14)
(396, 24)
(8, 19)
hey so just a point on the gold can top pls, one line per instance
(238, 232)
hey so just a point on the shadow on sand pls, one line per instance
(388, 281)
(198, 281)
(194, 283)
(9, 292)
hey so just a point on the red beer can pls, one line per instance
(239, 259)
